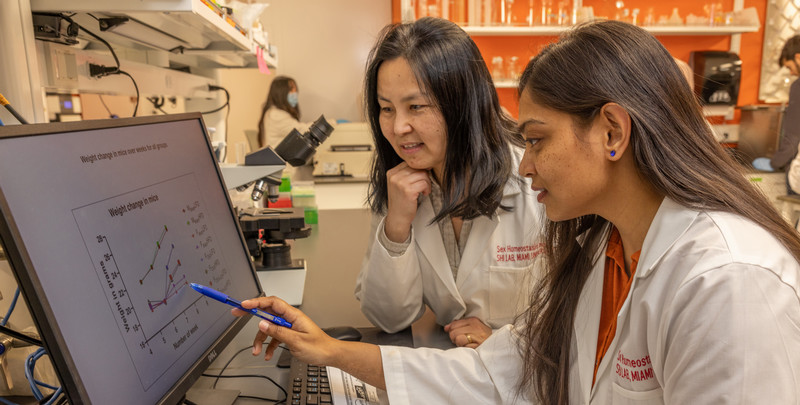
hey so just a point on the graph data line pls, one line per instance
(155, 254)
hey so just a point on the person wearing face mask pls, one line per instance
(786, 154)
(281, 112)
(280, 115)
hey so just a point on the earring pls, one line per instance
(613, 152)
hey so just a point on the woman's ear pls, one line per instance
(618, 130)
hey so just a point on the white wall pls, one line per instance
(324, 44)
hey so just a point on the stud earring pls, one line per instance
(613, 152)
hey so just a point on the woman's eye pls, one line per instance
(416, 107)
(531, 141)
(386, 109)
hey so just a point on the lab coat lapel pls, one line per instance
(587, 325)
(429, 241)
(477, 243)
(670, 222)
(479, 236)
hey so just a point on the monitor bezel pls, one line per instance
(30, 287)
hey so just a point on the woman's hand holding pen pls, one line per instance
(305, 339)
(405, 185)
(308, 343)
(468, 332)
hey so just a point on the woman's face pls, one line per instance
(793, 64)
(564, 166)
(409, 119)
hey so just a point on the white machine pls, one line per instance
(347, 153)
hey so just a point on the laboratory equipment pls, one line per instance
(296, 149)
(348, 152)
(717, 76)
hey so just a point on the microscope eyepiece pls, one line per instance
(297, 148)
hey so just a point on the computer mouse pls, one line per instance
(343, 333)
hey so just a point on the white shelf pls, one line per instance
(506, 84)
(546, 30)
(209, 37)
(698, 30)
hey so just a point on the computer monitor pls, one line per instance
(105, 223)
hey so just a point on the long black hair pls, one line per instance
(674, 151)
(277, 97)
(449, 67)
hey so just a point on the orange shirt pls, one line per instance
(616, 284)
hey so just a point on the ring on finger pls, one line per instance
(469, 338)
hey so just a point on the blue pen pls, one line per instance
(212, 293)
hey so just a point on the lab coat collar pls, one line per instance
(431, 246)
(671, 221)
(476, 246)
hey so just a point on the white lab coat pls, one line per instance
(713, 316)
(496, 262)
(278, 123)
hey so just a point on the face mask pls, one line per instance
(292, 99)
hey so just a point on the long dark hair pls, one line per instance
(450, 68)
(674, 150)
(278, 90)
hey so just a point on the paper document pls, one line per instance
(348, 390)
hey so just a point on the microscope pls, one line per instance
(266, 230)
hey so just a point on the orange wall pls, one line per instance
(526, 47)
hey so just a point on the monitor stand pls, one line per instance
(208, 396)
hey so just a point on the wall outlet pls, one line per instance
(726, 132)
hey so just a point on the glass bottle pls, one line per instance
(497, 68)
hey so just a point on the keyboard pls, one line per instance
(308, 384)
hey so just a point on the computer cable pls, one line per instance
(282, 401)
(108, 110)
(218, 376)
(11, 109)
(225, 366)
(49, 399)
(256, 376)
(6, 402)
(135, 86)
(68, 18)
(211, 87)
(98, 71)
(4, 321)
(30, 364)
(157, 102)
(54, 398)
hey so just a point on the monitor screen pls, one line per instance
(105, 224)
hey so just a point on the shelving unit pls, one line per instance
(545, 30)
(209, 36)
(475, 28)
